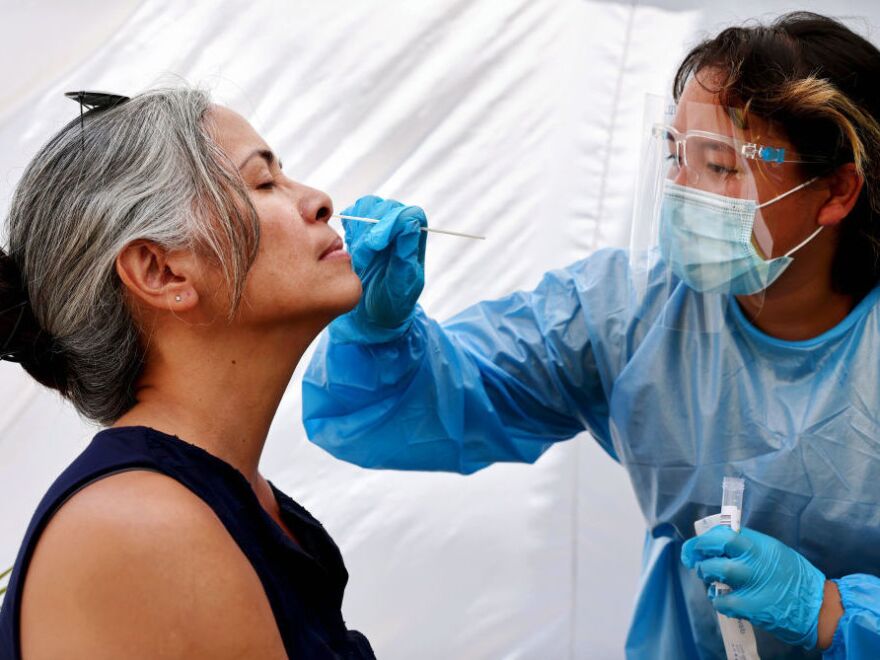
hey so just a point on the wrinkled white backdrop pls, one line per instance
(517, 119)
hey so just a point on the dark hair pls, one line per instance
(821, 82)
(21, 338)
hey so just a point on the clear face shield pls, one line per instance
(706, 211)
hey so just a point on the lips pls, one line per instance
(335, 246)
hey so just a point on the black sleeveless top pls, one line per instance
(303, 581)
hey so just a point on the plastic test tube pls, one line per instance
(731, 511)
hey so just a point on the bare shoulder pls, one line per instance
(137, 566)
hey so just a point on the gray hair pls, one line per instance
(146, 169)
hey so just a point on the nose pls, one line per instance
(681, 177)
(315, 205)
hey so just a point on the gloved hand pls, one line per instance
(773, 586)
(389, 257)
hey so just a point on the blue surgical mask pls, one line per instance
(706, 239)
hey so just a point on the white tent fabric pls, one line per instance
(518, 120)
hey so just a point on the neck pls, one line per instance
(218, 390)
(802, 303)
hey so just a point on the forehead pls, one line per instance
(701, 109)
(232, 132)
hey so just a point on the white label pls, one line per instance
(730, 516)
(703, 525)
(739, 639)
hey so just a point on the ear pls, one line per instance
(844, 186)
(158, 278)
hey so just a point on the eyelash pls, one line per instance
(269, 184)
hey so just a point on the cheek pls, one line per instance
(282, 240)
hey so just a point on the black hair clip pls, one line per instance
(94, 101)
(99, 100)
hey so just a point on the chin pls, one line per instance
(346, 295)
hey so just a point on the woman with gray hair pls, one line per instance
(165, 276)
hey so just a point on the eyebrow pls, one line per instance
(265, 154)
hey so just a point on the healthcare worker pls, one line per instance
(739, 336)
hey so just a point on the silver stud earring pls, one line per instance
(177, 298)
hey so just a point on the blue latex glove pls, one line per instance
(389, 257)
(773, 586)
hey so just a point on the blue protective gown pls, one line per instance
(678, 407)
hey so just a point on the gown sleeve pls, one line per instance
(501, 381)
(858, 632)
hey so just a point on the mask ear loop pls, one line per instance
(786, 194)
(804, 242)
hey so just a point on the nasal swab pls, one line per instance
(431, 229)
